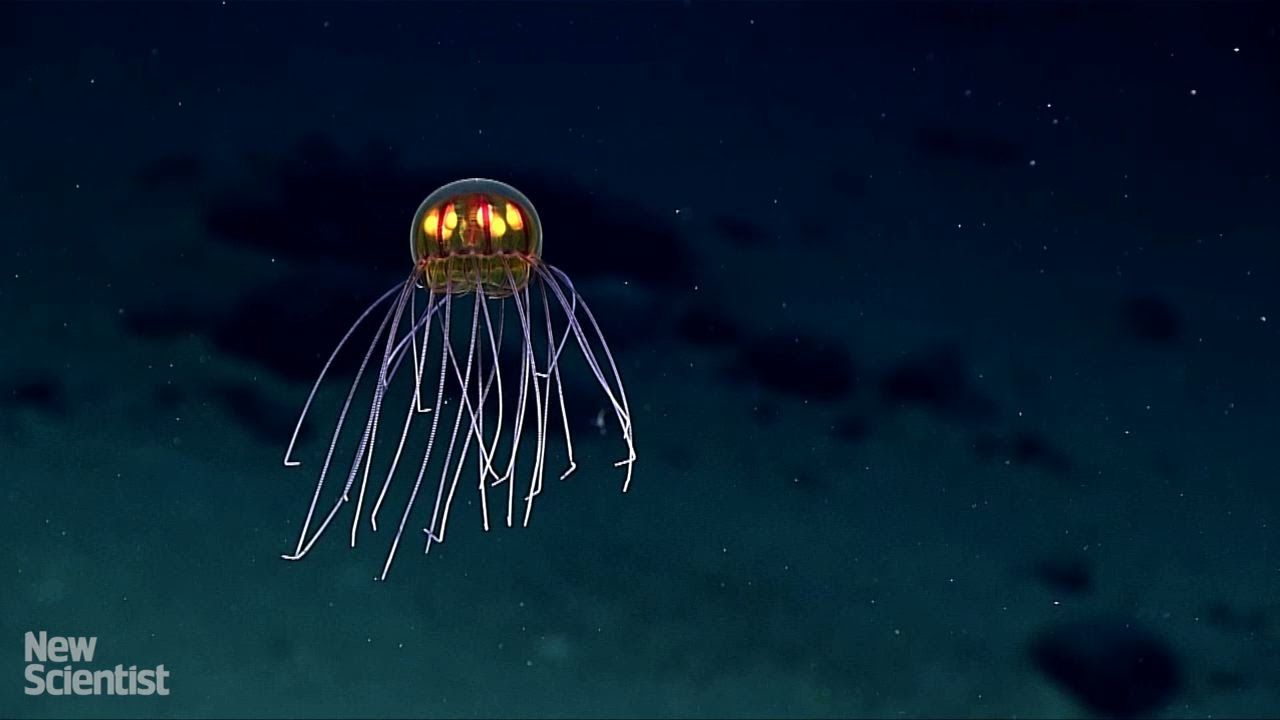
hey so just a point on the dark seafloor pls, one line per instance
(952, 336)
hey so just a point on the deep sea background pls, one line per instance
(951, 335)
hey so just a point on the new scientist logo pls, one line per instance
(51, 670)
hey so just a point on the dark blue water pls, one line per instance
(950, 336)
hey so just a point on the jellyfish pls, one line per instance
(477, 251)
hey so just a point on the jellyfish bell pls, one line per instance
(476, 228)
(479, 239)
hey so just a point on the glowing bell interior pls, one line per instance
(476, 231)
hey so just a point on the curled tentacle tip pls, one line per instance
(292, 463)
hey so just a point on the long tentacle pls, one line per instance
(364, 451)
(434, 303)
(540, 462)
(431, 438)
(365, 447)
(526, 369)
(303, 544)
(555, 373)
(297, 428)
(495, 373)
(440, 515)
(523, 309)
(414, 409)
(617, 398)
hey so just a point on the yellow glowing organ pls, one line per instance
(513, 217)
